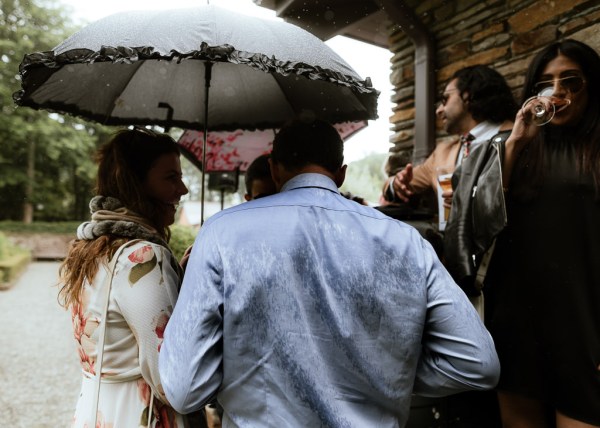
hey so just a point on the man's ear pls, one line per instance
(465, 97)
(340, 176)
(275, 174)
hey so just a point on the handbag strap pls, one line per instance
(102, 335)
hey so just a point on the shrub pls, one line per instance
(181, 238)
(3, 246)
(13, 261)
(8, 249)
(62, 227)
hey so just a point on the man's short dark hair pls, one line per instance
(300, 143)
(259, 169)
(490, 97)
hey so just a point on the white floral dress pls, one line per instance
(142, 297)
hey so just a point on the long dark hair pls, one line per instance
(123, 165)
(585, 137)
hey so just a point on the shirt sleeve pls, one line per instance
(191, 358)
(420, 182)
(146, 294)
(422, 177)
(458, 353)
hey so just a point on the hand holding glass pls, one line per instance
(542, 107)
(444, 175)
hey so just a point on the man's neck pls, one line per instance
(284, 175)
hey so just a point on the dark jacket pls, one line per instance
(478, 212)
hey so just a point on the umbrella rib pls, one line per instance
(137, 65)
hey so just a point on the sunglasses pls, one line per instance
(572, 84)
(446, 96)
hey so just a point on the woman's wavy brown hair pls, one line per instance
(123, 165)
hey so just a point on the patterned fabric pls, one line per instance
(465, 141)
(143, 294)
(306, 309)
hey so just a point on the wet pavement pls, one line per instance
(39, 370)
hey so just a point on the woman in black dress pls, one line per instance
(544, 282)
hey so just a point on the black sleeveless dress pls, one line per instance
(543, 289)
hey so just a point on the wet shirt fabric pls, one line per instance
(307, 309)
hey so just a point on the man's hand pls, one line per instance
(447, 196)
(184, 259)
(401, 183)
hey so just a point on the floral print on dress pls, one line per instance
(141, 301)
(163, 415)
(145, 260)
(83, 329)
(144, 393)
(160, 323)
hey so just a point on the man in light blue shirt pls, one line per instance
(306, 309)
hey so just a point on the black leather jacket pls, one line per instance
(478, 212)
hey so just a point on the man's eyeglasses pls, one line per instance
(572, 84)
(446, 96)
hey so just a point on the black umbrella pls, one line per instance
(203, 68)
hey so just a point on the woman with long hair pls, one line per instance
(544, 281)
(139, 185)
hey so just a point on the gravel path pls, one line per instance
(39, 369)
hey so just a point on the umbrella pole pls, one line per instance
(207, 77)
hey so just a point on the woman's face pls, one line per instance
(164, 184)
(568, 81)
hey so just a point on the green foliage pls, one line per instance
(62, 227)
(181, 238)
(58, 187)
(7, 249)
(3, 246)
(365, 177)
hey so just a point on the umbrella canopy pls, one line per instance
(202, 68)
(157, 67)
(235, 150)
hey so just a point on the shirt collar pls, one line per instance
(310, 180)
(483, 131)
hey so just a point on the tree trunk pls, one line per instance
(27, 203)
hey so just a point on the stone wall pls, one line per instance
(504, 34)
(43, 246)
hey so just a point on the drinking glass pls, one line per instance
(444, 174)
(543, 106)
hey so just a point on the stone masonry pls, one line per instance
(504, 34)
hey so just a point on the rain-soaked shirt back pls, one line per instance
(307, 309)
